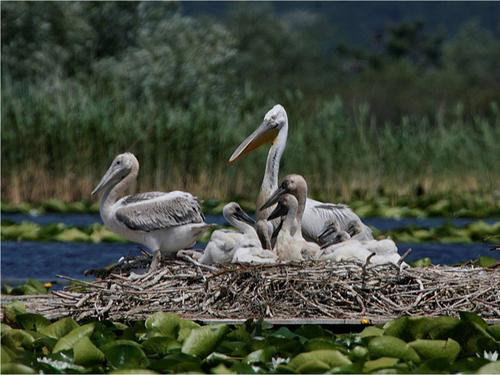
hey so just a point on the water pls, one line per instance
(384, 224)
(45, 260)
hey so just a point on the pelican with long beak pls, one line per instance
(163, 222)
(274, 130)
(224, 242)
(315, 215)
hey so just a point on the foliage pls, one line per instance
(478, 231)
(84, 81)
(165, 343)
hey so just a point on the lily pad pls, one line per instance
(69, 340)
(371, 331)
(203, 340)
(160, 346)
(332, 358)
(32, 321)
(388, 346)
(60, 328)
(16, 368)
(490, 368)
(167, 324)
(125, 354)
(86, 353)
(377, 364)
(13, 309)
(432, 349)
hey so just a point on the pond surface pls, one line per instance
(45, 260)
(84, 220)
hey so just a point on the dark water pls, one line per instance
(43, 261)
(84, 220)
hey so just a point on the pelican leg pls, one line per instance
(156, 261)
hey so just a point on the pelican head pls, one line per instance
(121, 167)
(338, 237)
(354, 227)
(331, 227)
(292, 184)
(273, 122)
(234, 211)
(285, 203)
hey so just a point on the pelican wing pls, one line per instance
(317, 213)
(154, 211)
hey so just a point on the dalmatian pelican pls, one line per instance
(163, 222)
(274, 130)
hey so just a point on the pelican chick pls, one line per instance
(332, 234)
(224, 242)
(315, 214)
(287, 247)
(254, 255)
(163, 222)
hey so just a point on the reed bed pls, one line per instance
(58, 139)
(347, 291)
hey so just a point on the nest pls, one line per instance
(327, 290)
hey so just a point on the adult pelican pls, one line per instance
(163, 222)
(314, 214)
(274, 130)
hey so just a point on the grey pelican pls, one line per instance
(274, 130)
(163, 222)
(315, 214)
(224, 242)
(355, 230)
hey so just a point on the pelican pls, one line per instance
(163, 222)
(355, 230)
(287, 247)
(224, 242)
(274, 130)
(315, 214)
(254, 255)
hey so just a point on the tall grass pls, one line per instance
(58, 139)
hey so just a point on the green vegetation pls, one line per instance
(478, 231)
(165, 343)
(435, 205)
(82, 82)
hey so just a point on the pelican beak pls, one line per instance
(328, 244)
(274, 198)
(279, 211)
(329, 230)
(263, 134)
(277, 229)
(243, 216)
(109, 176)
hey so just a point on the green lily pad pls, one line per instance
(260, 356)
(32, 321)
(490, 368)
(332, 358)
(13, 309)
(160, 345)
(16, 368)
(167, 324)
(176, 362)
(381, 363)
(17, 340)
(389, 346)
(125, 354)
(86, 353)
(185, 328)
(69, 340)
(371, 331)
(494, 330)
(431, 349)
(203, 340)
(313, 367)
(60, 328)
(358, 352)
(133, 371)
